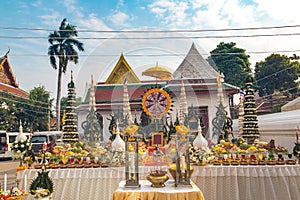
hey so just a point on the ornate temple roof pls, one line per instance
(8, 81)
(6, 74)
(122, 68)
(195, 66)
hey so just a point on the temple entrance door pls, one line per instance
(201, 111)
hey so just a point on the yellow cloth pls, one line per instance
(138, 195)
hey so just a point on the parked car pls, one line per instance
(6, 139)
(39, 139)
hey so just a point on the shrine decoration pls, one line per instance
(70, 131)
(42, 186)
(126, 101)
(20, 147)
(183, 170)
(183, 106)
(118, 143)
(131, 162)
(241, 112)
(250, 122)
(156, 102)
(93, 132)
(200, 141)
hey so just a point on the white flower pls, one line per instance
(18, 151)
(27, 144)
(16, 146)
(21, 141)
(22, 146)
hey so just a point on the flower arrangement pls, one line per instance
(114, 158)
(200, 155)
(19, 148)
(13, 193)
(41, 193)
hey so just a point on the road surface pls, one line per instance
(8, 167)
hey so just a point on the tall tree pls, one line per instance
(63, 47)
(277, 73)
(231, 61)
(40, 99)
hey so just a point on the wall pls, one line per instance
(278, 126)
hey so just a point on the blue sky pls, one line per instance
(30, 63)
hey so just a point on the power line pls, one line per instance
(40, 102)
(156, 38)
(155, 31)
(159, 55)
(24, 103)
(275, 73)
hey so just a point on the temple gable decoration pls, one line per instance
(122, 68)
(6, 74)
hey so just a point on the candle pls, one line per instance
(25, 182)
(5, 182)
(44, 146)
(182, 159)
(131, 164)
(297, 137)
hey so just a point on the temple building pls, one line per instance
(194, 76)
(8, 81)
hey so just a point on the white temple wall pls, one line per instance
(278, 126)
(209, 100)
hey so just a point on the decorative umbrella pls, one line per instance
(158, 72)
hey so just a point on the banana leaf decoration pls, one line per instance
(42, 181)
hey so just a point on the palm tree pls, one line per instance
(63, 47)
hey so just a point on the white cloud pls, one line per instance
(73, 8)
(37, 3)
(170, 12)
(284, 11)
(51, 19)
(120, 19)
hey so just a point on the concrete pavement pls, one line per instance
(8, 167)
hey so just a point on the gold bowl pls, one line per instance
(157, 181)
(173, 173)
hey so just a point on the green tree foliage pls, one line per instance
(231, 61)
(32, 112)
(12, 110)
(63, 47)
(40, 98)
(277, 73)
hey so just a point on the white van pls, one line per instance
(51, 138)
(6, 139)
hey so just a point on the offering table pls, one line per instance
(146, 192)
(249, 182)
(216, 182)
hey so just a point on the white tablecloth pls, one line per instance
(216, 182)
(279, 182)
(83, 183)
